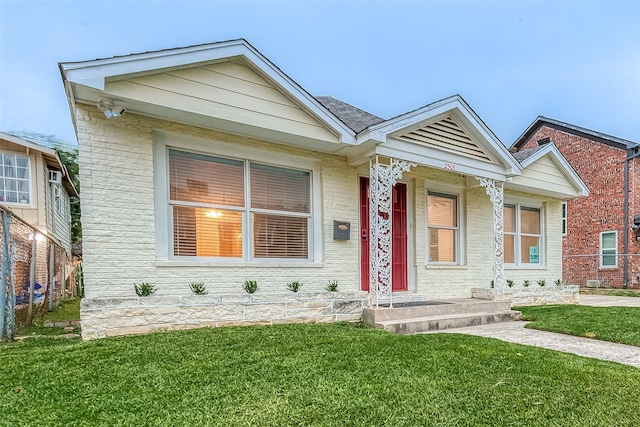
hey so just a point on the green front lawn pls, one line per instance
(616, 324)
(309, 375)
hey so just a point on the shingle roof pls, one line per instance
(523, 155)
(355, 118)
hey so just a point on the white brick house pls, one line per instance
(222, 169)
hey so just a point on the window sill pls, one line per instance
(16, 205)
(523, 267)
(445, 267)
(252, 264)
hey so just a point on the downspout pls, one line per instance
(625, 238)
(631, 154)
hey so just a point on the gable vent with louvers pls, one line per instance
(446, 135)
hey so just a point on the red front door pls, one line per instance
(399, 236)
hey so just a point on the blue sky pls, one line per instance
(578, 62)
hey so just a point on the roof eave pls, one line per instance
(596, 136)
(95, 73)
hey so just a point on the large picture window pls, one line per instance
(14, 179)
(609, 249)
(522, 235)
(228, 208)
(442, 219)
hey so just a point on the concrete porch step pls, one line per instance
(433, 308)
(449, 321)
(423, 316)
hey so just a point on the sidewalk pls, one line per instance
(607, 301)
(515, 332)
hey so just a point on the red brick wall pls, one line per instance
(601, 167)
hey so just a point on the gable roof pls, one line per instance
(444, 134)
(542, 121)
(546, 164)
(85, 81)
(231, 87)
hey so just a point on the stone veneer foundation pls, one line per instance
(533, 294)
(105, 317)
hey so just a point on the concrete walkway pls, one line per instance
(515, 332)
(607, 301)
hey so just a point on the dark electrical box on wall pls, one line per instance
(341, 230)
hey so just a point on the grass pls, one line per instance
(615, 324)
(611, 292)
(308, 375)
(67, 310)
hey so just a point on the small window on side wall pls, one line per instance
(14, 179)
(564, 218)
(609, 249)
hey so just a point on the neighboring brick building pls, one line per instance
(601, 231)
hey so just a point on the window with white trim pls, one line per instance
(564, 218)
(231, 208)
(60, 199)
(15, 176)
(522, 234)
(609, 249)
(443, 225)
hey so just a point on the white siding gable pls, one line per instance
(229, 91)
(543, 175)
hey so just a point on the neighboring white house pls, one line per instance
(35, 185)
(209, 164)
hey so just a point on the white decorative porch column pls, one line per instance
(382, 178)
(495, 192)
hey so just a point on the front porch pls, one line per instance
(413, 313)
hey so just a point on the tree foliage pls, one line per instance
(69, 157)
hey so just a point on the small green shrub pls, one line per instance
(198, 288)
(526, 283)
(558, 282)
(294, 286)
(144, 289)
(332, 286)
(542, 282)
(510, 283)
(492, 284)
(250, 286)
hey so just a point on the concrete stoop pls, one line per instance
(427, 316)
